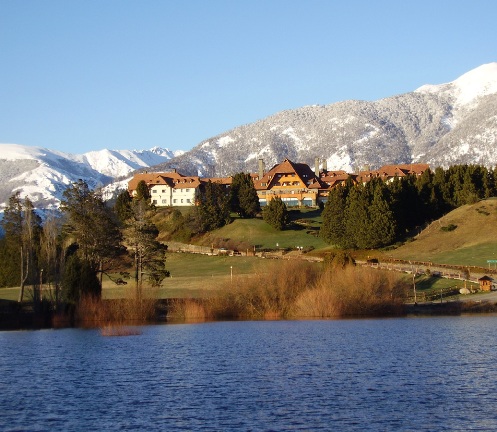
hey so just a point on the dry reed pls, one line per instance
(93, 312)
(298, 289)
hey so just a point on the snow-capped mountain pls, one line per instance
(441, 125)
(43, 175)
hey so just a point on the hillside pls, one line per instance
(442, 125)
(472, 242)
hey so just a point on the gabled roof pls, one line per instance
(390, 171)
(303, 171)
(154, 179)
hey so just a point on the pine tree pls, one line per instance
(22, 227)
(382, 226)
(333, 228)
(122, 206)
(275, 214)
(356, 218)
(213, 210)
(243, 196)
(140, 235)
(91, 225)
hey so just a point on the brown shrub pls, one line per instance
(93, 312)
(353, 291)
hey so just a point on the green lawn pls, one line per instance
(256, 232)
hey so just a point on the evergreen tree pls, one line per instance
(243, 196)
(22, 227)
(142, 191)
(382, 225)
(356, 218)
(140, 235)
(79, 279)
(213, 210)
(333, 228)
(276, 214)
(92, 226)
(122, 206)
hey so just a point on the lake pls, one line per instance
(402, 374)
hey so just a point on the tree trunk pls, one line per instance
(24, 276)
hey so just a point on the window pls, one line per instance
(154, 201)
(181, 200)
(188, 200)
(174, 200)
(164, 201)
(154, 191)
(163, 191)
(187, 190)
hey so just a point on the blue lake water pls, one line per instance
(407, 374)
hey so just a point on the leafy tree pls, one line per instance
(91, 225)
(243, 196)
(276, 214)
(213, 210)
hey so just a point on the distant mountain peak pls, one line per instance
(441, 125)
(476, 83)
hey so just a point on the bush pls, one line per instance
(447, 228)
(301, 290)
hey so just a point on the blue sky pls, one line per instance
(82, 75)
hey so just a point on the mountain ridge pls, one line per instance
(438, 124)
(351, 134)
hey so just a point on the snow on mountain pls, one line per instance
(467, 88)
(42, 174)
(437, 124)
(441, 125)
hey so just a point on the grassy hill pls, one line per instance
(247, 233)
(467, 235)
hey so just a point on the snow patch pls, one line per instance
(224, 141)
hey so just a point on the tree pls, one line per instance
(213, 210)
(333, 228)
(79, 279)
(142, 191)
(122, 206)
(91, 225)
(51, 252)
(22, 228)
(356, 218)
(149, 256)
(276, 214)
(243, 196)
(382, 228)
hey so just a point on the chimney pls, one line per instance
(261, 168)
(316, 167)
(325, 165)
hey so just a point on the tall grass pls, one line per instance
(297, 289)
(93, 312)
(353, 291)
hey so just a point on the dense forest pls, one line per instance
(377, 214)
